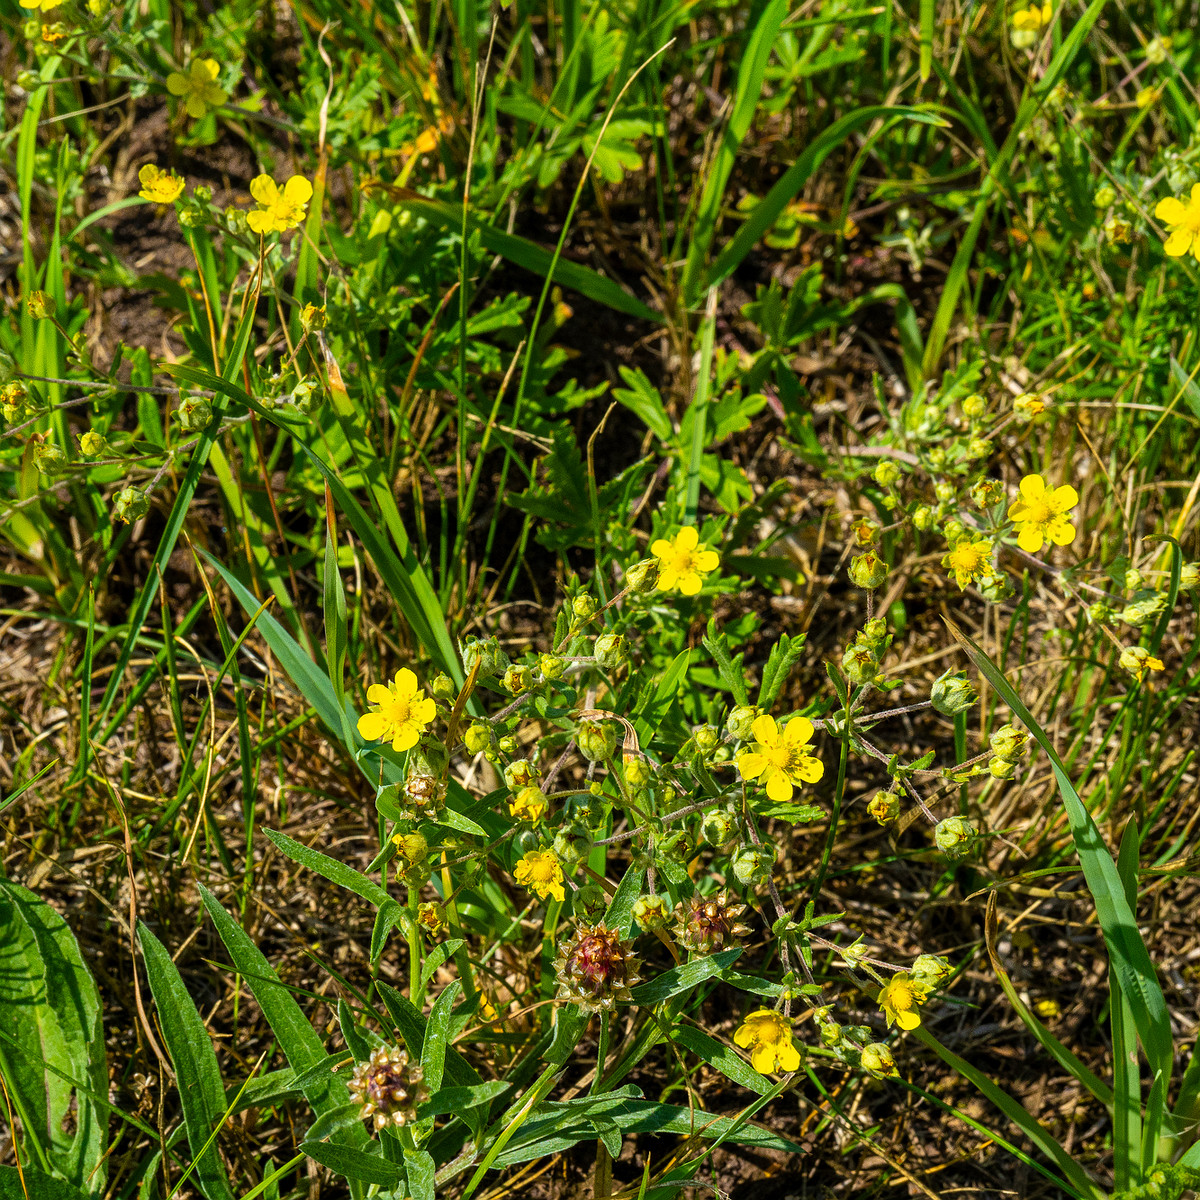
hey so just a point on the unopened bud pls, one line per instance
(195, 412)
(48, 458)
(610, 650)
(637, 770)
(877, 1058)
(597, 740)
(130, 505)
(312, 316)
(884, 807)
(887, 473)
(752, 865)
(443, 687)
(642, 577)
(91, 444)
(551, 666)
(491, 659)
(477, 738)
(868, 570)
(954, 836)
(1008, 742)
(651, 912)
(584, 607)
(952, 693)
(740, 721)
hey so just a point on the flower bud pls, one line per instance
(717, 827)
(40, 305)
(887, 473)
(752, 865)
(529, 804)
(1002, 768)
(866, 533)
(1142, 612)
(431, 917)
(195, 412)
(443, 687)
(642, 577)
(952, 693)
(1134, 579)
(995, 586)
(877, 1059)
(868, 570)
(1008, 742)
(859, 664)
(130, 505)
(650, 912)
(954, 836)
(884, 807)
(591, 902)
(1105, 196)
(1026, 408)
(741, 718)
(922, 517)
(974, 406)
(937, 459)
(987, 493)
(572, 844)
(477, 738)
(48, 458)
(518, 679)
(235, 220)
(831, 1034)
(597, 740)
(508, 744)
(312, 317)
(551, 666)
(978, 447)
(28, 80)
(584, 607)
(307, 394)
(412, 848)
(953, 530)
(1099, 613)
(706, 738)
(610, 650)
(487, 654)
(91, 444)
(520, 774)
(637, 770)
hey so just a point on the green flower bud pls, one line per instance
(995, 586)
(1008, 742)
(874, 634)
(48, 458)
(831, 1034)
(953, 530)
(130, 505)
(91, 444)
(954, 836)
(637, 770)
(952, 693)
(717, 827)
(1105, 196)
(922, 518)
(859, 664)
(1189, 577)
(508, 744)
(1134, 579)
(884, 807)
(411, 848)
(738, 723)
(235, 220)
(987, 493)
(443, 687)
(477, 739)
(877, 1058)
(930, 969)
(28, 80)
(551, 666)
(591, 902)
(944, 492)
(526, 840)
(752, 865)
(978, 447)
(868, 570)
(572, 844)
(487, 654)
(974, 406)
(597, 740)
(706, 738)
(1002, 768)
(429, 757)
(1142, 612)
(312, 317)
(1099, 613)
(651, 912)
(40, 305)
(584, 607)
(520, 774)
(610, 650)
(642, 577)
(195, 412)
(518, 679)
(307, 395)
(887, 473)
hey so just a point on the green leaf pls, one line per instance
(684, 977)
(620, 907)
(201, 1093)
(718, 1055)
(1127, 952)
(331, 868)
(50, 1010)
(352, 1163)
(462, 1099)
(412, 1028)
(437, 1032)
(36, 1186)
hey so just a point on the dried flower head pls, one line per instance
(596, 969)
(389, 1086)
(707, 924)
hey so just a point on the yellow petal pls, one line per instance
(205, 70)
(798, 731)
(263, 189)
(1032, 487)
(297, 190)
(779, 786)
(1063, 498)
(260, 221)
(406, 681)
(406, 738)
(764, 730)
(909, 1019)
(788, 1056)
(1030, 539)
(751, 765)
(687, 538)
(744, 1036)
(177, 84)
(707, 560)
(762, 1059)
(1196, 193)
(1179, 243)
(668, 577)
(1170, 210)
(809, 769)
(690, 583)
(1060, 532)
(195, 106)
(371, 727)
(661, 548)
(424, 710)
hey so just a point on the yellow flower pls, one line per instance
(199, 85)
(401, 714)
(968, 560)
(42, 5)
(1137, 660)
(900, 998)
(540, 872)
(1184, 220)
(1027, 407)
(781, 758)
(528, 804)
(1033, 18)
(683, 562)
(1041, 514)
(159, 187)
(768, 1037)
(278, 211)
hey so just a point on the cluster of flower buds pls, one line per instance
(1008, 745)
(596, 969)
(389, 1087)
(862, 657)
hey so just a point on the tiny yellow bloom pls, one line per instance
(768, 1037)
(278, 211)
(900, 998)
(1040, 515)
(528, 804)
(969, 559)
(198, 86)
(1183, 219)
(159, 187)
(683, 562)
(781, 759)
(1033, 18)
(402, 711)
(541, 872)
(1026, 407)
(1137, 660)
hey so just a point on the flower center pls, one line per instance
(900, 997)
(965, 558)
(1038, 512)
(398, 711)
(682, 562)
(541, 870)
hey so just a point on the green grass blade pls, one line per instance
(201, 1092)
(1127, 1076)
(1127, 951)
(699, 413)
